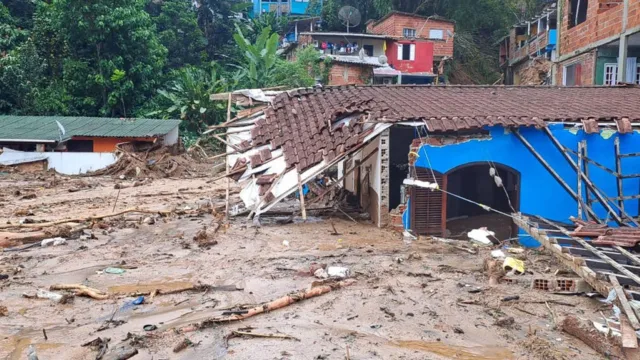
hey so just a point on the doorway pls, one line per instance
(475, 182)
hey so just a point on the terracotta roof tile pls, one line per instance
(299, 121)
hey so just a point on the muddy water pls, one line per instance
(457, 352)
(19, 343)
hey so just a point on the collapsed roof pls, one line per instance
(303, 132)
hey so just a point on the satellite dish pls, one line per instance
(383, 59)
(349, 16)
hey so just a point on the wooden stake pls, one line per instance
(622, 297)
(556, 176)
(226, 203)
(585, 165)
(580, 163)
(302, 208)
(616, 147)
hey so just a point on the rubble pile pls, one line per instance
(536, 73)
(158, 162)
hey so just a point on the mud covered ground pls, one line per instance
(411, 300)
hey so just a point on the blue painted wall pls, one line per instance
(297, 7)
(540, 193)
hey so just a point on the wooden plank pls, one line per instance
(580, 162)
(629, 155)
(624, 303)
(587, 181)
(590, 161)
(632, 176)
(586, 253)
(601, 255)
(629, 337)
(616, 147)
(628, 197)
(597, 264)
(634, 259)
(566, 260)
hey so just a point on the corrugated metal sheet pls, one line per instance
(44, 128)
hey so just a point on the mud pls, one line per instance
(420, 283)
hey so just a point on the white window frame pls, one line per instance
(436, 34)
(412, 52)
(409, 30)
(638, 74)
(614, 74)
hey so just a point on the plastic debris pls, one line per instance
(55, 297)
(321, 274)
(31, 353)
(53, 241)
(338, 272)
(113, 270)
(513, 265)
(149, 327)
(138, 301)
(498, 254)
(481, 236)
(422, 184)
(285, 243)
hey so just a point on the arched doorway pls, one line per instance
(436, 213)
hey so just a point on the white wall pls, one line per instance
(172, 137)
(73, 163)
(68, 163)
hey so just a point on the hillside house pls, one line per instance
(598, 42)
(417, 45)
(531, 43)
(74, 145)
(280, 7)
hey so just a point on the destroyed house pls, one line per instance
(492, 151)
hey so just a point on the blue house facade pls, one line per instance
(283, 7)
(533, 188)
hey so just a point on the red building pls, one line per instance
(416, 45)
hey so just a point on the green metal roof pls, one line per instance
(44, 128)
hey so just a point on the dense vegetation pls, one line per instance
(164, 58)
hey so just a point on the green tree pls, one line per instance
(257, 66)
(11, 35)
(177, 26)
(100, 37)
(187, 96)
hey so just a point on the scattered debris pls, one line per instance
(510, 298)
(121, 352)
(54, 241)
(4, 311)
(183, 344)
(338, 272)
(505, 321)
(609, 347)
(149, 327)
(273, 305)
(55, 297)
(81, 290)
(481, 236)
(237, 333)
(513, 266)
(114, 270)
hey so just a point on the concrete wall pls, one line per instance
(540, 192)
(68, 163)
(172, 137)
(350, 74)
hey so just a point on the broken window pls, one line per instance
(577, 12)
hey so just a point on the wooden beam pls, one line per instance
(624, 302)
(600, 254)
(556, 176)
(580, 251)
(300, 190)
(579, 193)
(586, 169)
(616, 147)
(227, 191)
(590, 161)
(587, 181)
(634, 259)
(628, 197)
(570, 262)
(629, 155)
(597, 264)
